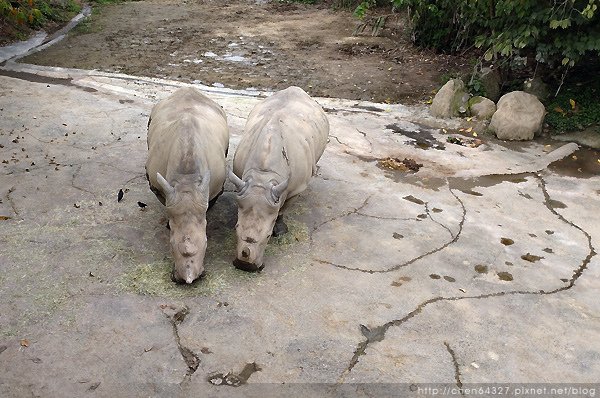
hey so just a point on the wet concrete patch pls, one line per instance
(35, 78)
(421, 138)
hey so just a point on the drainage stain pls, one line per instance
(411, 198)
(505, 276)
(434, 276)
(449, 278)
(506, 241)
(482, 269)
(32, 77)
(532, 258)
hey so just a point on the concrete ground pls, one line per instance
(479, 268)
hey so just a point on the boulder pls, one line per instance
(491, 83)
(519, 116)
(537, 87)
(451, 100)
(482, 108)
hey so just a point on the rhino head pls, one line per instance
(186, 203)
(258, 207)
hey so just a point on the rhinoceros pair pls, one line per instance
(188, 138)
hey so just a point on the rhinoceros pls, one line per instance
(284, 137)
(186, 169)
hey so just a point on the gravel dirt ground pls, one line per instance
(244, 44)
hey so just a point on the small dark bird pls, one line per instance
(120, 195)
(142, 204)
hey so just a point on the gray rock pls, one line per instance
(450, 100)
(518, 117)
(537, 87)
(491, 83)
(481, 107)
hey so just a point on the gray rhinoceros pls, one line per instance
(284, 137)
(186, 168)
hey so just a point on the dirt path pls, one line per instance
(242, 44)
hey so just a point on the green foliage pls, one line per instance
(35, 13)
(575, 108)
(557, 32)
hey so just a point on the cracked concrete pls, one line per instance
(385, 276)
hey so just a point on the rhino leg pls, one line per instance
(280, 227)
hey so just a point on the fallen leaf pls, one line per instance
(120, 195)
(469, 119)
(469, 129)
(24, 343)
(474, 134)
(574, 157)
(572, 102)
(4, 218)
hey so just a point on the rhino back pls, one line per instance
(187, 133)
(287, 134)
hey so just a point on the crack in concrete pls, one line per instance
(190, 358)
(414, 259)
(378, 333)
(459, 383)
(435, 221)
(11, 201)
(354, 211)
(75, 174)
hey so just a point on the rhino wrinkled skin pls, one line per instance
(284, 137)
(186, 169)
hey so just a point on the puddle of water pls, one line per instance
(466, 185)
(532, 258)
(556, 204)
(505, 276)
(411, 198)
(582, 163)
(481, 269)
(506, 241)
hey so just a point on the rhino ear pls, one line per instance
(166, 188)
(278, 189)
(238, 182)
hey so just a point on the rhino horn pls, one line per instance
(278, 189)
(237, 181)
(166, 188)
